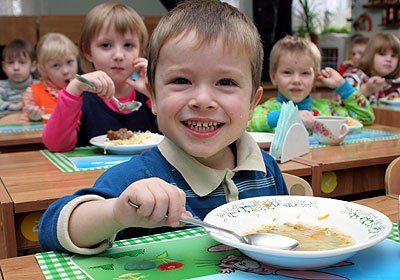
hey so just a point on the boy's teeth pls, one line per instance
(203, 126)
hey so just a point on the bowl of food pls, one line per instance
(329, 230)
(354, 124)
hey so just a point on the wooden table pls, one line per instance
(387, 115)
(352, 169)
(27, 268)
(30, 183)
(19, 141)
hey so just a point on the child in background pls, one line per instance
(57, 66)
(294, 69)
(203, 93)
(19, 63)
(358, 45)
(113, 39)
(379, 65)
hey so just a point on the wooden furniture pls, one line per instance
(27, 268)
(18, 27)
(68, 25)
(387, 115)
(392, 177)
(19, 141)
(30, 183)
(297, 185)
(352, 169)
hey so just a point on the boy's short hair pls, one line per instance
(210, 20)
(54, 46)
(119, 16)
(19, 48)
(380, 42)
(296, 45)
(359, 40)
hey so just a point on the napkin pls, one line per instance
(288, 117)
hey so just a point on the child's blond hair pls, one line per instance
(294, 45)
(54, 46)
(110, 15)
(210, 20)
(380, 42)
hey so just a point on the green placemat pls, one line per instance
(57, 265)
(83, 159)
(359, 136)
(21, 127)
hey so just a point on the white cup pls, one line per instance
(330, 130)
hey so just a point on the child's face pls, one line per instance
(356, 53)
(114, 53)
(203, 97)
(59, 71)
(385, 63)
(18, 69)
(294, 76)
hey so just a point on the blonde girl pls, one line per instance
(378, 67)
(57, 65)
(113, 41)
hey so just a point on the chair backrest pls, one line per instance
(392, 177)
(297, 185)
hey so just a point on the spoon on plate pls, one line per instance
(266, 240)
(131, 105)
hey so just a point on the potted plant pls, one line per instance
(309, 19)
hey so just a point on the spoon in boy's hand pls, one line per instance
(130, 106)
(266, 240)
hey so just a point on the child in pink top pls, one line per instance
(113, 37)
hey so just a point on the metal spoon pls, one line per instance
(267, 240)
(131, 105)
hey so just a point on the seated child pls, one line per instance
(57, 65)
(294, 68)
(19, 63)
(358, 45)
(203, 93)
(113, 39)
(378, 66)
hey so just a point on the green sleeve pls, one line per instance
(259, 122)
(358, 107)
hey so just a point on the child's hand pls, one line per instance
(156, 199)
(374, 84)
(34, 112)
(104, 85)
(307, 117)
(140, 84)
(330, 77)
(348, 62)
(15, 106)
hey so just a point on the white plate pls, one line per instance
(263, 139)
(100, 141)
(390, 101)
(366, 226)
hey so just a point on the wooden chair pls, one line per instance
(392, 177)
(297, 185)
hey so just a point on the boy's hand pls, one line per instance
(34, 112)
(330, 77)
(104, 85)
(156, 199)
(140, 65)
(307, 117)
(15, 106)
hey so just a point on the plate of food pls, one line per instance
(329, 230)
(263, 139)
(46, 117)
(354, 124)
(390, 100)
(124, 141)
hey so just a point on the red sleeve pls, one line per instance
(342, 68)
(60, 134)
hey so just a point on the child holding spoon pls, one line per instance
(113, 38)
(203, 93)
(378, 68)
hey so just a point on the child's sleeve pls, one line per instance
(265, 116)
(355, 103)
(61, 132)
(3, 96)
